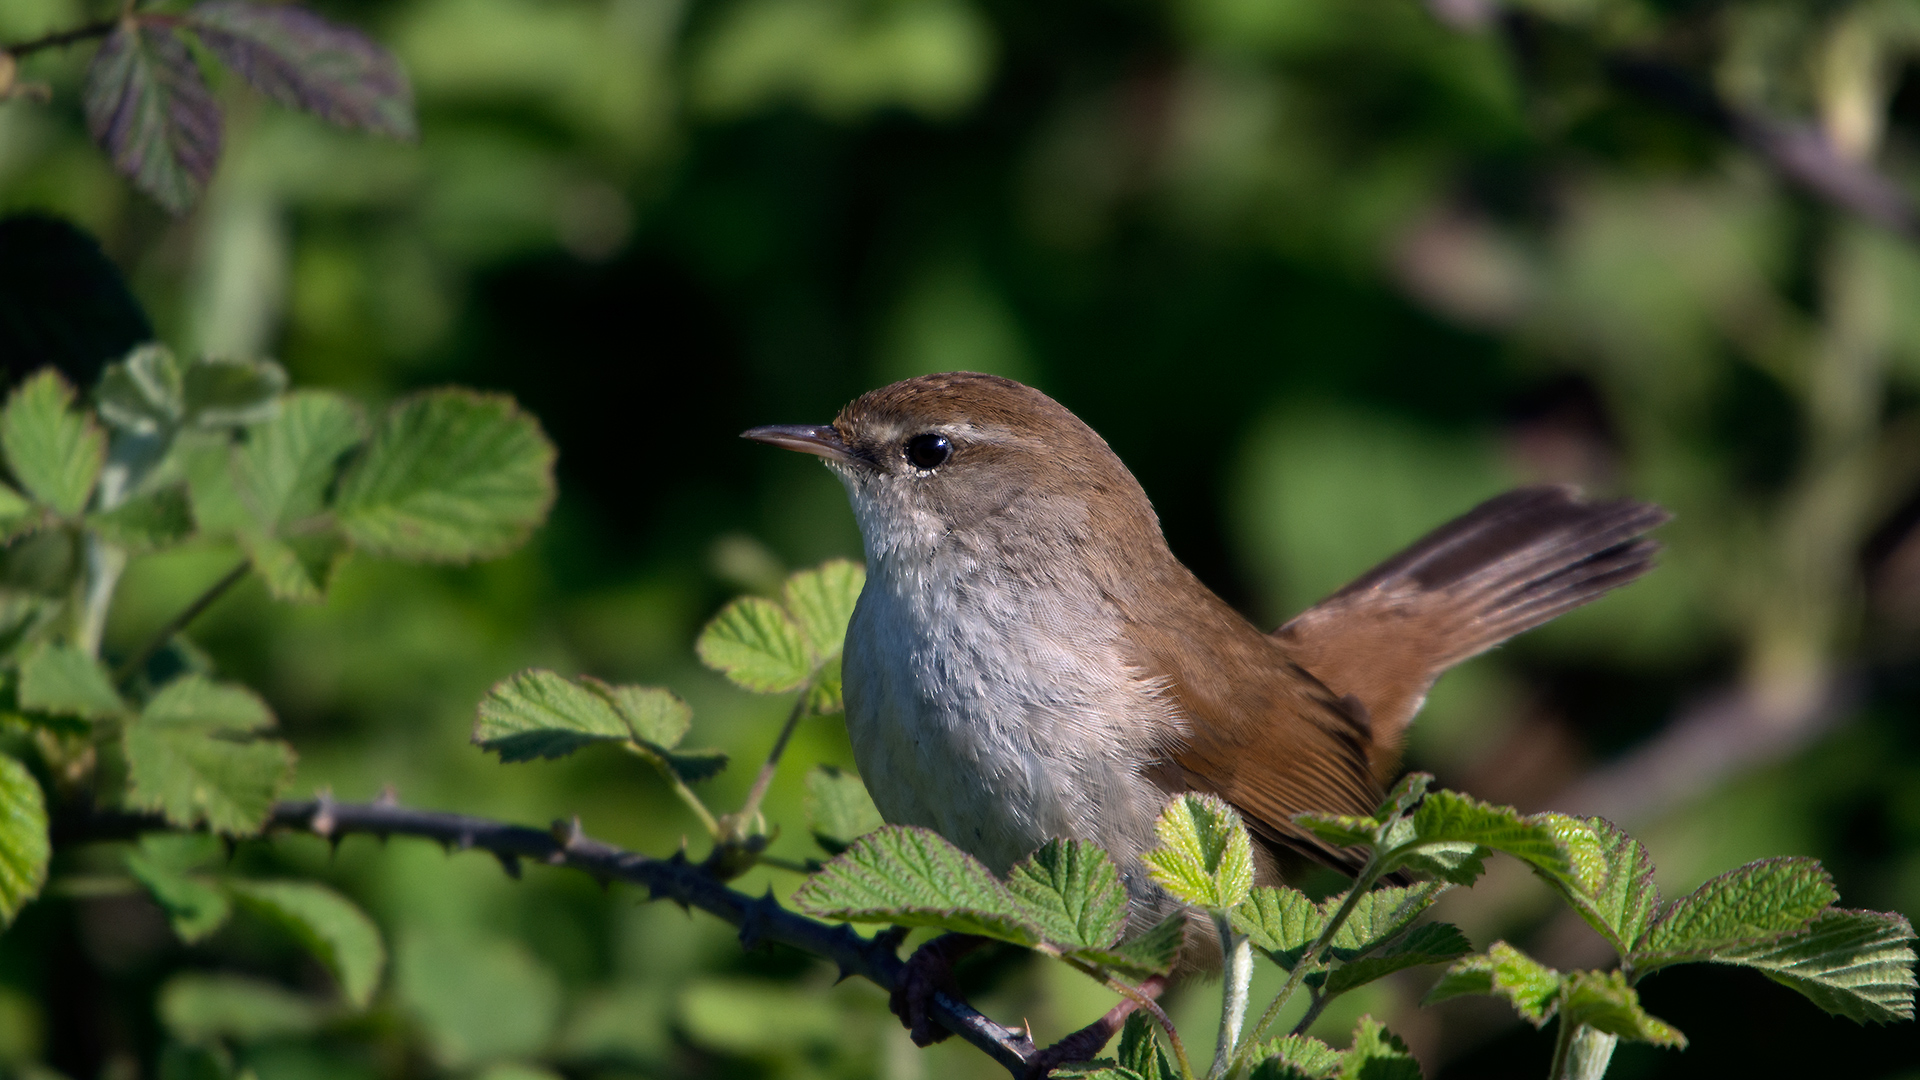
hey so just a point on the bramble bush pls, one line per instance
(157, 747)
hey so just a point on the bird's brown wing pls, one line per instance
(1260, 732)
(1507, 565)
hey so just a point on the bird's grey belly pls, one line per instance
(990, 740)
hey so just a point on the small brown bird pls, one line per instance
(1028, 660)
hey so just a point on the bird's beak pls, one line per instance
(822, 441)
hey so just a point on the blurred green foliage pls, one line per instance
(1324, 272)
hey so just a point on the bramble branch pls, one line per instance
(63, 37)
(687, 883)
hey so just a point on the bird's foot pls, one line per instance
(1085, 1044)
(929, 971)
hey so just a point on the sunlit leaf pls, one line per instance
(540, 714)
(450, 476)
(755, 643)
(326, 924)
(203, 1008)
(1140, 1051)
(1856, 964)
(1378, 915)
(192, 774)
(1621, 900)
(305, 62)
(24, 846)
(1204, 856)
(1540, 841)
(1150, 953)
(1295, 1057)
(910, 876)
(1754, 903)
(64, 680)
(1279, 921)
(1532, 988)
(1603, 1001)
(1340, 830)
(821, 602)
(149, 108)
(654, 716)
(54, 451)
(289, 463)
(1070, 891)
(143, 394)
(198, 703)
(298, 568)
(839, 810)
(1377, 1054)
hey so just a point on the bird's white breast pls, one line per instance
(993, 705)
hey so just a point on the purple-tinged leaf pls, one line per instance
(305, 62)
(149, 108)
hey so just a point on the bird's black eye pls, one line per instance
(928, 451)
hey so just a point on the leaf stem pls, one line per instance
(735, 824)
(1146, 1003)
(1236, 953)
(63, 37)
(1316, 1004)
(1562, 1043)
(138, 660)
(679, 787)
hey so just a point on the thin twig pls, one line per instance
(679, 787)
(64, 37)
(1316, 1004)
(1146, 1004)
(760, 920)
(134, 663)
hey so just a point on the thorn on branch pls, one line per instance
(753, 922)
(323, 823)
(388, 796)
(510, 863)
(890, 938)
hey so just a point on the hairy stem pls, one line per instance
(1316, 1004)
(1237, 964)
(132, 664)
(1146, 1003)
(1582, 1055)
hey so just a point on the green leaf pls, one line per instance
(1603, 1001)
(1097, 1069)
(1279, 921)
(304, 62)
(827, 697)
(539, 714)
(65, 681)
(478, 999)
(182, 1062)
(148, 521)
(1453, 863)
(218, 392)
(756, 644)
(1543, 842)
(191, 774)
(1532, 988)
(1378, 915)
(1434, 943)
(1140, 1052)
(909, 876)
(1340, 830)
(1296, 1057)
(1753, 903)
(149, 108)
(143, 394)
(17, 516)
(1070, 890)
(288, 464)
(821, 602)
(298, 568)
(200, 1008)
(451, 476)
(1377, 1054)
(195, 905)
(653, 716)
(1151, 953)
(1856, 964)
(326, 924)
(1622, 898)
(54, 452)
(24, 846)
(1204, 856)
(197, 703)
(839, 810)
